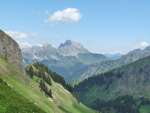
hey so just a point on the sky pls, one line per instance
(102, 26)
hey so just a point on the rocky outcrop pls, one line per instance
(10, 50)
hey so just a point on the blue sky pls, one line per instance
(100, 25)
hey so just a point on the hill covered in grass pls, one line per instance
(13, 102)
(26, 91)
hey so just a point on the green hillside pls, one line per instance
(12, 102)
(122, 90)
(21, 94)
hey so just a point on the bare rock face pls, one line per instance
(71, 48)
(10, 50)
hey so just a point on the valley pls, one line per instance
(74, 56)
(103, 84)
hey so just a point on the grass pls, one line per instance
(145, 109)
(12, 102)
(27, 92)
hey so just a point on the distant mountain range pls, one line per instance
(70, 59)
(76, 63)
(113, 56)
(107, 65)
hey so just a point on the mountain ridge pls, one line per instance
(106, 91)
(107, 65)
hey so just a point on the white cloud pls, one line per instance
(24, 44)
(144, 44)
(21, 38)
(66, 15)
(17, 35)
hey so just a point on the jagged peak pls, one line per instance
(69, 43)
(71, 48)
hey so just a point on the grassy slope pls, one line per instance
(63, 101)
(12, 102)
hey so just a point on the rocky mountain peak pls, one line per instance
(46, 45)
(71, 48)
(10, 50)
(69, 43)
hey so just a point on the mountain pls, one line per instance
(69, 59)
(70, 48)
(40, 52)
(75, 63)
(122, 90)
(91, 58)
(37, 91)
(106, 65)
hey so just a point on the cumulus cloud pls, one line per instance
(66, 15)
(144, 44)
(21, 38)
